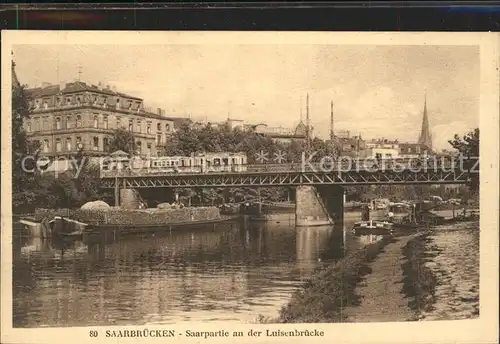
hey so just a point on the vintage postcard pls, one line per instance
(251, 186)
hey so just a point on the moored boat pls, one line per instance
(373, 226)
(63, 226)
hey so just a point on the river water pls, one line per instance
(453, 252)
(229, 272)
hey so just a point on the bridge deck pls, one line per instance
(263, 177)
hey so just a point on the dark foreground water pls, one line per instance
(229, 272)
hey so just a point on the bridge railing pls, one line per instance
(411, 165)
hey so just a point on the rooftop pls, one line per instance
(73, 87)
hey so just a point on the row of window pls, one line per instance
(68, 125)
(67, 144)
(139, 126)
(95, 144)
(37, 104)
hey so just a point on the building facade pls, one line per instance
(281, 134)
(67, 116)
(382, 148)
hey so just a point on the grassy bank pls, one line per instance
(329, 291)
(419, 283)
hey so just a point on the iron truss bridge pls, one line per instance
(285, 178)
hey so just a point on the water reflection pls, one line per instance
(230, 272)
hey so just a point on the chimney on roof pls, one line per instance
(107, 87)
(158, 111)
(62, 85)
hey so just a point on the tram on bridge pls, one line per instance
(199, 163)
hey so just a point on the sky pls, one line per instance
(377, 91)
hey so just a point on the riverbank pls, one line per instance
(330, 291)
(381, 292)
(430, 275)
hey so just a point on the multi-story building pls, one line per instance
(283, 135)
(383, 148)
(67, 116)
(348, 146)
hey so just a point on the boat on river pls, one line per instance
(373, 226)
(62, 226)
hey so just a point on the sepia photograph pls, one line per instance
(174, 180)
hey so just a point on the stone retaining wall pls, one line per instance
(127, 217)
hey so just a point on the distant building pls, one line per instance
(235, 123)
(63, 117)
(180, 121)
(412, 150)
(281, 134)
(382, 148)
(349, 146)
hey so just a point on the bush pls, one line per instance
(419, 281)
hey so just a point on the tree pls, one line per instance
(22, 180)
(468, 146)
(122, 140)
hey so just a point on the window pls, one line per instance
(58, 101)
(96, 122)
(105, 143)
(78, 140)
(46, 146)
(78, 100)
(117, 103)
(28, 127)
(68, 122)
(45, 105)
(78, 121)
(139, 129)
(130, 125)
(149, 149)
(158, 139)
(37, 104)
(409, 150)
(58, 123)
(68, 101)
(68, 144)
(118, 122)
(96, 143)
(167, 127)
(158, 127)
(105, 122)
(36, 125)
(58, 145)
(149, 128)
(139, 147)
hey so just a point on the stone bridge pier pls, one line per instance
(128, 199)
(319, 206)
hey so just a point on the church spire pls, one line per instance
(425, 133)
